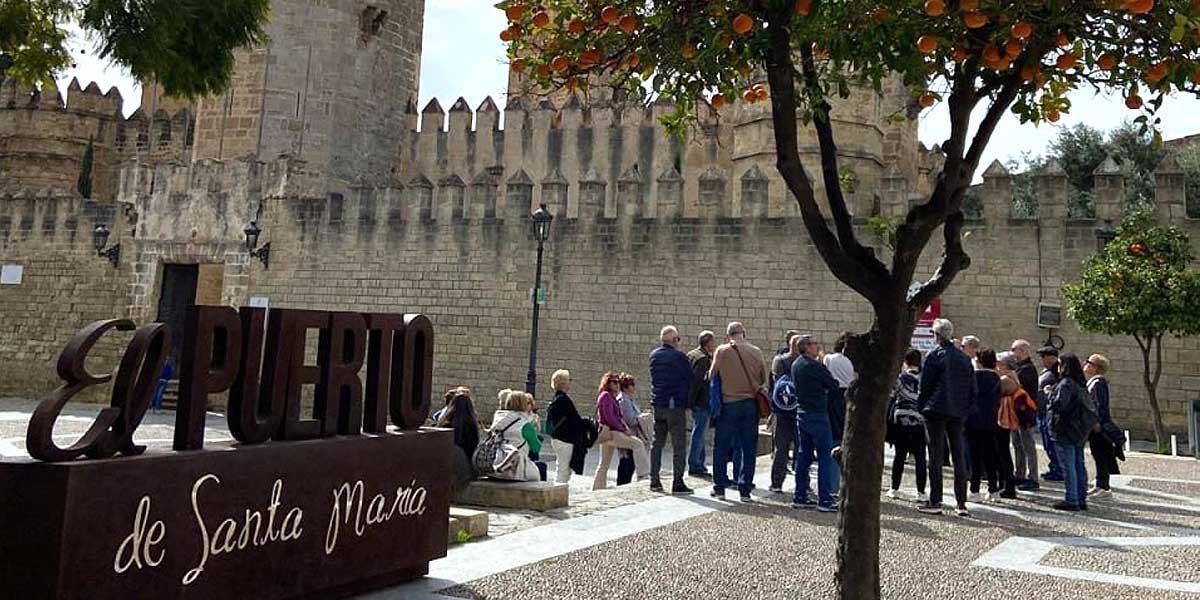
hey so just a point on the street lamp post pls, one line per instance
(541, 230)
(1105, 234)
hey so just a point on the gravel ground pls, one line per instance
(1170, 487)
(771, 551)
(1163, 467)
(1177, 563)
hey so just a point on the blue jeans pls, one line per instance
(737, 429)
(1074, 472)
(815, 435)
(1056, 466)
(696, 454)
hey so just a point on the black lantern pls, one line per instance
(100, 240)
(541, 232)
(1105, 234)
(263, 254)
(541, 223)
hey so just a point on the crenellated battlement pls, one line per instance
(43, 138)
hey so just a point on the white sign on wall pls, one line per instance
(259, 302)
(11, 274)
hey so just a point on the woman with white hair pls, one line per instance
(570, 434)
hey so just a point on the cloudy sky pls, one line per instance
(464, 57)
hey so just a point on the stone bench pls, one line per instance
(530, 495)
(475, 522)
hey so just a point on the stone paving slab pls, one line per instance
(1179, 563)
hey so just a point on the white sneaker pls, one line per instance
(776, 490)
(922, 497)
(892, 494)
(1099, 493)
(974, 497)
(988, 497)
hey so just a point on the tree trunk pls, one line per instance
(1151, 373)
(875, 359)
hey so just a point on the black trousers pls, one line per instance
(1004, 460)
(980, 446)
(625, 468)
(937, 428)
(1106, 458)
(904, 449)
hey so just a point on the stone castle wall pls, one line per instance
(621, 263)
(43, 137)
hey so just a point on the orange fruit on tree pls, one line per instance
(1053, 116)
(1106, 62)
(969, 5)
(927, 99)
(959, 54)
(610, 15)
(803, 7)
(975, 20)
(514, 12)
(1195, 78)
(560, 63)
(935, 8)
(927, 44)
(1013, 48)
(742, 24)
(1067, 60)
(517, 65)
(761, 94)
(689, 51)
(589, 58)
(749, 96)
(1133, 102)
(575, 27)
(1157, 73)
(1029, 72)
(718, 100)
(1061, 39)
(1139, 7)
(991, 54)
(506, 35)
(628, 23)
(541, 19)
(1022, 30)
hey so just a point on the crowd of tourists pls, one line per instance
(961, 403)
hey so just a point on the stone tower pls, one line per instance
(330, 87)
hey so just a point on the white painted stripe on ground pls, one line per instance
(1125, 483)
(1024, 555)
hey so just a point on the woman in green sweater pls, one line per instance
(520, 433)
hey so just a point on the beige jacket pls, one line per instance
(738, 383)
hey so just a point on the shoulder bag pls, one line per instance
(761, 399)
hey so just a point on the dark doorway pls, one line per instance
(177, 294)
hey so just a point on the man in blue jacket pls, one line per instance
(670, 391)
(813, 383)
(947, 394)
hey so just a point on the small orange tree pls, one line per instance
(995, 55)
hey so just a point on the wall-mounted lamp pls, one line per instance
(263, 254)
(100, 240)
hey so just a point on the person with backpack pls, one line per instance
(1106, 438)
(1023, 429)
(511, 438)
(783, 408)
(1072, 416)
(906, 426)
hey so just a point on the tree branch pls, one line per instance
(822, 123)
(781, 76)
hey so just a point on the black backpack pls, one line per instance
(487, 451)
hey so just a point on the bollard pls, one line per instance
(1126, 441)
(1174, 445)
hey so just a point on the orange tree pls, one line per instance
(991, 55)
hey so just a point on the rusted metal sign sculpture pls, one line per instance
(316, 506)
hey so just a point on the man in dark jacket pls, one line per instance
(701, 360)
(671, 393)
(1046, 383)
(813, 383)
(947, 394)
